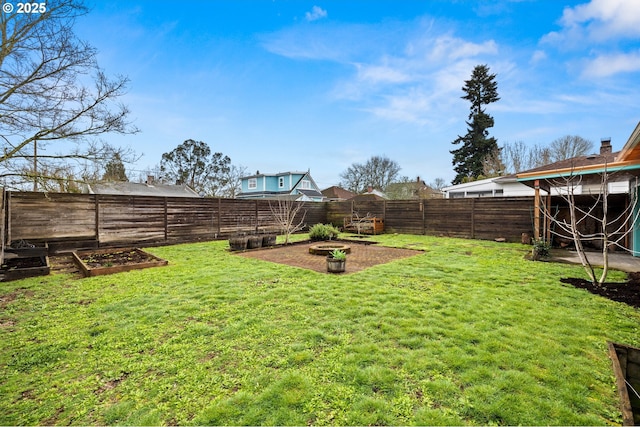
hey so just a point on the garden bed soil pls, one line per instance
(109, 261)
(363, 255)
(627, 292)
(21, 268)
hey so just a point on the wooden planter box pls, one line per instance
(40, 250)
(87, 270)
(371, 225)
(21, 268)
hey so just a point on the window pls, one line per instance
(281, 182)
(253, 183)
(305, 185)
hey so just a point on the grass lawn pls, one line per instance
(468, 332)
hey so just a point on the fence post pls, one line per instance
(219, 209)
(473, 218)
(97, 218)
(166, 221)
(256, 216)
(424, 225)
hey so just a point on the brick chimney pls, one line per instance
(605, 146)
(150, 179)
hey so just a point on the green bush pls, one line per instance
(323, 232)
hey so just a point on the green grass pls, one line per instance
(467, 333)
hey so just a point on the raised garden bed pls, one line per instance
(24, 249)
(110, 261)
(21, 268)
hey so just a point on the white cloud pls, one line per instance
(538, 55)
(607, 65)
(316, 13)
(454, 48)
(600, 20)
(382, 74)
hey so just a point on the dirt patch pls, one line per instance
(363, 255)
(627, 292)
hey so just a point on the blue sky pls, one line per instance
(296, 85)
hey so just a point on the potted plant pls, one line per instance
(336, 261)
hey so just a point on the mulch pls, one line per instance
(363, 255)
(627, 292)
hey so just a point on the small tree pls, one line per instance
(114, 170)
(286, 215)
(611, 230)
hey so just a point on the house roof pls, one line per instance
(575, 164)
(141, 189)
(258, 174)
(628, 159)
(336, 192)
(310, 193)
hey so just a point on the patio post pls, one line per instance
(536, 210)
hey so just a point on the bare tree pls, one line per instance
(492, 164)
(377, 172)
(232, 182)
(611, 231)
(518, 157)
(286, 215)
(52, 89)
(84, 164)
(438, 184)
(568, 147)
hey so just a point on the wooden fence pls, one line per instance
(487, 218)
(77, 221)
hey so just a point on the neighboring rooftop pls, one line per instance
(337, 193)
(141, 189)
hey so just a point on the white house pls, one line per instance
(500, 186)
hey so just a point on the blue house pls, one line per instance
(296, 185)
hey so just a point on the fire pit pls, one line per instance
(326, 248)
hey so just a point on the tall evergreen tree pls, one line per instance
(480, 90)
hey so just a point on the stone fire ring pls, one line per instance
(327, 248)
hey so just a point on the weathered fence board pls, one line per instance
(131, 219)
(40, 216)
(191, 219)
(404, 216)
